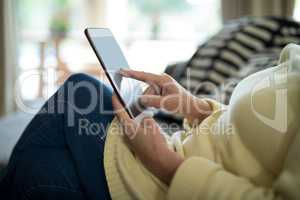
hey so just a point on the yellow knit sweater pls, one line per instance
(249, 149)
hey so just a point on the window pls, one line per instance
(153, 33)
(160, 32)
(297, 10)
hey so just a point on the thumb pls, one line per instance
(151, 100)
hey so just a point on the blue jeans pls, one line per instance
(60, 154)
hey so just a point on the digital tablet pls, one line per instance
(112, 60)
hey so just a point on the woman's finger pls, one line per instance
(129, 126)
(120, 110)
(141, 76)
(152, 90)
(151, 100)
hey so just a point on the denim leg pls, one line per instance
(82, 104)
(44, 163)
(47, 173)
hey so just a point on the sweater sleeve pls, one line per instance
(199, 178)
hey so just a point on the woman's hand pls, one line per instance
(165, 93)
(147, 142)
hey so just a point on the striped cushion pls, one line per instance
(230, 55)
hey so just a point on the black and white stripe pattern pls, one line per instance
(230, 55)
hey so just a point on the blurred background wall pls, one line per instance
(233, 9)
(42, 42)
(1, 62)
(8, 56)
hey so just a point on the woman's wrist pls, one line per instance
(168, 163)
(172, 161)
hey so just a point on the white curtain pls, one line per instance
(8, 55)
(233, 9)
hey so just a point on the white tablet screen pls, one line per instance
(113, 60)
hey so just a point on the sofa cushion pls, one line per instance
(224, 59)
